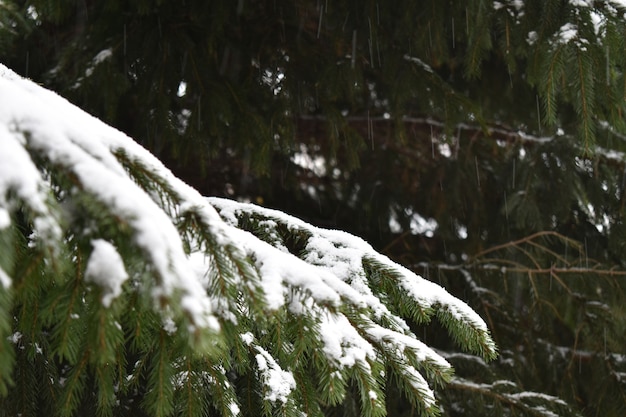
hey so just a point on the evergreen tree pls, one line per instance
(124, 292)
(478, 143)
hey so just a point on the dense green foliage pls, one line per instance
(253, 69)
(497, 125)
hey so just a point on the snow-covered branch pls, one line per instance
(126, 248)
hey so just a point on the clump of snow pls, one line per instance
(97, 60)
(343, 345)
(18, 174)
(278, 383)
(619, 3)
(567, 32)
(5, 218)
(418, 382)
(277, 268)
(419, 62)
(516, 4)
(5, 279)
(307, 160)
(418, 224)
(234, 409)
(36, 119)
(599, 22)
(106, 269)
(169, 326)
(247, 338)
(15, 338)
(401, 343)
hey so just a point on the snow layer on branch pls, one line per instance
(37, 121)
(98, 59)
(343, 344)
(5, 218)
(567, 32)
(581, 3)
(400, 343)
(337, 258)
(5, 280)
(418, 382)
(278, 269)
(106, 268)
(49, 125)
(19, 175)
(278, 383)
(342, 255)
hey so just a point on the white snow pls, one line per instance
(418, 382)
(581, 3)
(97, 60)
(36, 119)
(401, 343)
(599, 21)
(540, 395)
(419, 62)
(516, 397)
(278, 384)
(307, 160)
(234, 409)
(5, 279)
(418, 225)
(518, 4)
(182, 89)
(5, 218)
(169, 325)
(106, 269)
(343, 345)
(342, 255)
(19, 174)
(567, 32)
(15, 338)
(334, 265)
(247, 338)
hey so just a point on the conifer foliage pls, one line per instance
(124, 292)
(478, 143)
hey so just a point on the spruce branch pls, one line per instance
(162, 292)
(550, 86)
(585, 106)
(532, 403)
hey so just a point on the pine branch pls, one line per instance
(74, 387)
(159, 397)
(585, 107)
(151, 273)
(468, 336)
(532, 403)
(529, 239)
(550, 84)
